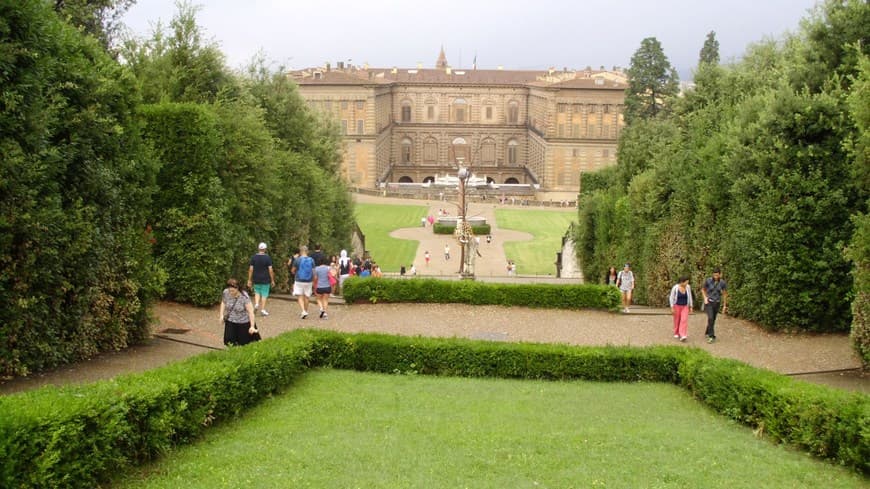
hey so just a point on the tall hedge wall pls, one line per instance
(76, 276)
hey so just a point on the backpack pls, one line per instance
(304, 269)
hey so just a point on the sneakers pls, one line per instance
(684, 338)
(677, 336)
(256, 306)
(322, 313)
(304, 314)
(264, 312)
(711, 339)
(625, 310)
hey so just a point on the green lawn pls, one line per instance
(346, 429)
(377, 221)
(536, 257)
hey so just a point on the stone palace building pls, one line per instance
(534, 129)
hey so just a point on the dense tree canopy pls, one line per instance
(710, 51)
(761, 169)
(153, 174)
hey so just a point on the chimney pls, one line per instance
(328, 67)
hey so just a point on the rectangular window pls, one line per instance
(360, 126)
(489, 113)
(575, 152)
(406, 113)
(344, 105)
(513, 114)
(577, 130)
(359, 104)
(344, 126)
(605, 153)
(460, 115)
(561, 131)
(430, 112)
(606, 109)
(562, 108)
(328, 105)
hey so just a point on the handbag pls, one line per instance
(255, 336)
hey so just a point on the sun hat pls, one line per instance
(262, 246)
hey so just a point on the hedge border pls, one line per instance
(82, 436)
(425, 290)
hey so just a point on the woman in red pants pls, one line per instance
(681, 305)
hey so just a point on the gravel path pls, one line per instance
(180, 328)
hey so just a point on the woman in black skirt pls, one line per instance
(237, 315)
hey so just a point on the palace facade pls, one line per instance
(536, 128)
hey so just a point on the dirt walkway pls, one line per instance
(181, 327)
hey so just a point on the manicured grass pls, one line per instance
(377, 221)
(348, 429)
(538, 256)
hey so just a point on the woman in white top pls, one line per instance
(680, 300)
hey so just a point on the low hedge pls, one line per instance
(82, 436)
(477, 229)
(547, 296)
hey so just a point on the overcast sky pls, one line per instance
(515, 34)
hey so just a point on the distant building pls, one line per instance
(540, 128)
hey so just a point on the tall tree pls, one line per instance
(99, 18)
(651, 81)
(710, 51)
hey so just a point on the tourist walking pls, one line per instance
(447, 252)
(261, 277)
(715, 293)
(680, 300)
(303, 271)
(625, 282)
(427, 257)
(237, 315)
(322, 287)
(344, 268)
(611, 277)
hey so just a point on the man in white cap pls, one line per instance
(261, 277)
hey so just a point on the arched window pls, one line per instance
(459, 150)
(460, 109)
(512, 152)
(406, 150)
(429, 179)
(513, 111)
(487, 152)
(406, 179)
(512, 180)
(430, 151)
(406, 111)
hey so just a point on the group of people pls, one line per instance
(714, 292)
(312, 275)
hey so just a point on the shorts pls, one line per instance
(324, 290)
(262, 290)
(302, 288)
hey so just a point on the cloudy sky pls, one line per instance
(511, 33)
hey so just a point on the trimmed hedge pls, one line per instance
(81, 436)
(477, 229)
(546, 296)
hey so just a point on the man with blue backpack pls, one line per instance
(303, 271)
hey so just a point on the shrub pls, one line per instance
(81, 436)
(477, 229)
(546, 296)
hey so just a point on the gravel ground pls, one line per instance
(183, 331)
